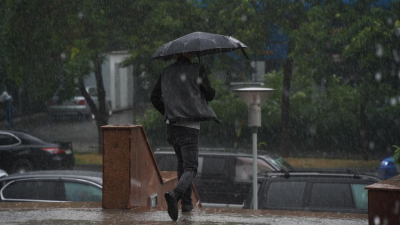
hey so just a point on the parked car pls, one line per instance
(76, 106)
(21, 152)
(224, 176)
(330, 191)
(387, 168)
(52, 186)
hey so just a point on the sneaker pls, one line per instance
(187, 208)
(172, 205)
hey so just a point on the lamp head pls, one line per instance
(254, 95)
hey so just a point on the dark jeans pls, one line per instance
(185, 142)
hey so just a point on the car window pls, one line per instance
(34, 190)
(244, 168)
(170, 163)
(29, 139)
(81, 192)
(213, 166)
(281, 164)
(167, 162)
(7, 139)
(330, 195)
(360, 195)
(288, 194)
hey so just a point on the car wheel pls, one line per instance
(22, 166)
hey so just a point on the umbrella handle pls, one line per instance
(198, 56)
(243, 50)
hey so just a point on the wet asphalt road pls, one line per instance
(82, 134)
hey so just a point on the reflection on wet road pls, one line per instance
(199, 216)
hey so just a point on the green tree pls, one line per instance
(32, 52)
(356, 43)
(61, 42)
(288, 15)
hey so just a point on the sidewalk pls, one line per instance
(24, 119)
(92, 213)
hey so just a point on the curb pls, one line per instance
(89, 167)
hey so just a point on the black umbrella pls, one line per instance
(201, 44)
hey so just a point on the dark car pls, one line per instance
(330, 191)
(52, 186)
(21, 152)
(387, 168)
(224, 176)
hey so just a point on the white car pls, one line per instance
(76, 106)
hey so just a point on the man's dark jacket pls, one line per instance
(182, 93)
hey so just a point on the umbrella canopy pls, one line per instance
(200, 43)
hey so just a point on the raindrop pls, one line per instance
(398, 74)
(244, 18)
(389, 21)
(313, 130)
(378, 76)
(377, 220)
(371, 145)
(199, 80)
(393, 71)
(396, 56)
(379, 50)
(396, 207)
(80, 15)
(393, 101)
(63, 56)
(183, 77)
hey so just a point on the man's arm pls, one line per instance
(205, 85)
(156, 97)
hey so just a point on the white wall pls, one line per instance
(259, 67)
(118, 81)
(121, 81)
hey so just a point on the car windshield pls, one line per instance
(279, 162)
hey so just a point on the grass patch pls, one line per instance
(332, 163)
(88, 159)
(96, 159)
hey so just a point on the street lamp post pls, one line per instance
(254, 97)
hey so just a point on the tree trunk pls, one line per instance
(364, 128)
(286, 132)
(101, 115)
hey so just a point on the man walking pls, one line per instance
(181, 94)
(8, 101)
